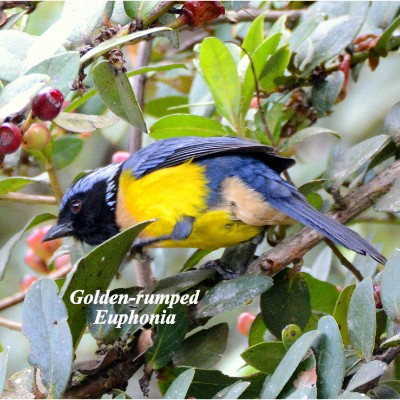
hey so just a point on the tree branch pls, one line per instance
(28, 198)
(295, 246)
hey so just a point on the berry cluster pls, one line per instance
(45, 106)
(38, 254)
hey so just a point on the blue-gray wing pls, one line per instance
(170, 152)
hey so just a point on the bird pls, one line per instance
(200, 192)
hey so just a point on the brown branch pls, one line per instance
(28, 198)
(295, 246)
(19, 296)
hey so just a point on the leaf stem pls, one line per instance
(8, 323)
(28, 198)
(54, 182)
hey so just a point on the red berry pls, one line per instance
(43, 250)
(199, 12)
(36, 137)
(33, 261)
(26, 281)
(10, 138)
(62, 261)
(254, 102)
(47, 104)
(244, 322)
(120, 156)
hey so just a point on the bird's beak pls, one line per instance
(58, 231)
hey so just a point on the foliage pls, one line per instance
(270, 78)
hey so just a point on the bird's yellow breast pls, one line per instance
(170, 194)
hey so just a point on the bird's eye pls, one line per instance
(76, 206)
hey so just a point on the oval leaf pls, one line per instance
(367, 373)
(265, 356)
(16, 183)
(180, 385)
(117, 94)
(3, 367)
(84, 123)
(179, 125)
(221, 76)
(288, 302)
(330, 359)
(341, 311)
(229, 294)
(233, 391)
(390, 284)
(204, 348)
(361, 319)
(44, 323)
(65, 149)
(288, 365)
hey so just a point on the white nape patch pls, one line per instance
(86, 183)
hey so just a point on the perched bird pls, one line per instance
(205, 193)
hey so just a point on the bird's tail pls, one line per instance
(299, 209)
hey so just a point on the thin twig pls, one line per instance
(142, 267)
(344, 261)
(19, 296)
(54, 182)
(7, 323)
(28, 198)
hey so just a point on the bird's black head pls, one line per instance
(87, 210)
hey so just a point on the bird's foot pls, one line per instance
(222, 269)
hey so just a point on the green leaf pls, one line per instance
(353, 395)
(95, 272)
(117, 94)
(331, 37)
(3, 368)
(392, 121)
(19, 93)
(303, 31)
(259, 58)
(390, 282)
(355, 158)
(288, 365)
(361, 319)
(265, 356)
(62, 69)
(180, 125)
(139, 10)
(323, 295)
(341, 312)
(233, 391)
(325, 93)
(274, 68)
(194, 259)
(221, 76)
(204, 348)
(287, 302)
(14, 47)
(207, 383)
(304, 393)
(6, 250)
(106, 46)
(384, 392)
(229, 294)
(394, 341)
(180, 385)
(330, 359)
(257, 331)
(75, 122)
(169, 337)
(12, 20)
(44, 323)
(254, 35)
(390, 202)
(167, 105)
(304, 134)
(65, 149)
(383, 41)
(367, 373)
(16, 183)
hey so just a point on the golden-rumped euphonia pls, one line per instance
(204, 193)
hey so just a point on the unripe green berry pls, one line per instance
(36, 137)
(290, 333)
